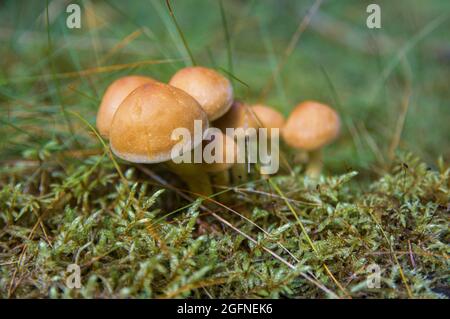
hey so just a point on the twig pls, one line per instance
(290, 48)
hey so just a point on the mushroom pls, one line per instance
(142, 128)
(218, 164)
(114, 95)
(244, 116)
(269, 118)
(310, 127)
(212, 90)
(238, 116)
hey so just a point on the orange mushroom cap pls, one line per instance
(237, 116)
(212, 90)
(114, 95)
(311, 126)
(267, 117)
(142, 127)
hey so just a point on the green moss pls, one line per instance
(127, 247)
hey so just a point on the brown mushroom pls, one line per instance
(269, 118)
(310, 127)
(238, 116)
(212, 90)
(114, 95)
(143, 126)
(221, 161)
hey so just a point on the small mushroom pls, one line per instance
(141, 131)
(114, 95)
(244, 116)
(267, 117)
(238, 116)
(310, 127)
(212, 90)
(225, 154)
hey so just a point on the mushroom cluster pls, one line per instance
(310, 127)
(139, 114)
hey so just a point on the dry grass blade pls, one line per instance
(290, 48)
(90, 71)
(180, 32)
(105, 147)
(400, 124)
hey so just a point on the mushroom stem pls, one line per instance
(264, 176)
(194, 176)
(239, 173)
(301, 157)
(315, 164)
(241, 170)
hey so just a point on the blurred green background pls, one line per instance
(386, 82)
